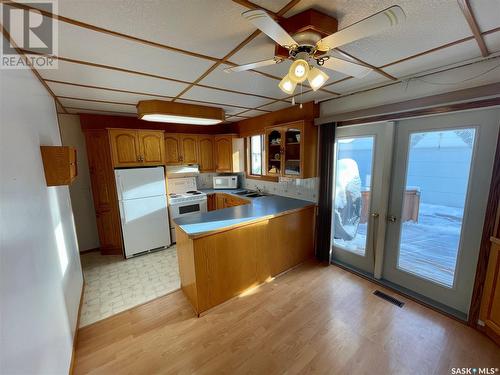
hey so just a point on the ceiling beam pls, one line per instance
(247, 40)
(364, 63)
(474, 27)
(35, 72)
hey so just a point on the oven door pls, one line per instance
(183, 209)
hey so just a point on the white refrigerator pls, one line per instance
(143, 209)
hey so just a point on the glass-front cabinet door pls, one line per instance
(274, 153)
(292, 154)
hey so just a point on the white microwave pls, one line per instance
(226, 182)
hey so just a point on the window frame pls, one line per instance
(248, 159)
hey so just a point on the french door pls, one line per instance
(412, 213)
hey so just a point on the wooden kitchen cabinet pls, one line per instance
(206, 153)
(134, 148)
(59, 164)
(223, 200)
(223, 153)
(104, 191)
(291, 150)
(220, 201)
(490, 305)
(151, 147)
(172, 149)
(189, 149)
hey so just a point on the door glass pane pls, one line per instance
(352, 193)
(433, 203)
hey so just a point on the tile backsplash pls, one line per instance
(306, 189)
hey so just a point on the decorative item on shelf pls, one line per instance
(297, 137)
(277, 156)
(276, 141)
(274, 170)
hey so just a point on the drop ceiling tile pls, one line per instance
(313, 96)
(487, 13)
(248, 82)
(87, 45)
(212, 27)
(89, 75)
(206, 94)
(235, 119)
(355, 84)
(276, 106)
(492, 42)
(97, 94)
(253, 113)
(228, 110)
(429, 23)
(93, 111)
(98, 106)
(442, 58)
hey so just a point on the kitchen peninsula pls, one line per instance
(224, 252)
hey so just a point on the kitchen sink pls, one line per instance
(254, 195)
(243, 192)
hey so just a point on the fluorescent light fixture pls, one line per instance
(299, 70)
(180, 119)
(179, 113)
(316, 78)
(287, 85)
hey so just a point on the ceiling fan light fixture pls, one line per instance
(299, 70)
(317, 78)
(287, 85)
(179, 113)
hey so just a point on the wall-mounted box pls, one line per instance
(59, 164)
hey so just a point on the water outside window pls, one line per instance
(433, 204)
(353, 171)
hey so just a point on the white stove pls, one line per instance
(188, 196)
(184, 199)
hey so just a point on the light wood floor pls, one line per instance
(314, 319)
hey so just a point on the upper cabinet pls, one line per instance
(223, 153)
(206, 153)
(152, 147)
(291, 150)
(59, 164)
(131, 148)
(189, 149)
(172, 149)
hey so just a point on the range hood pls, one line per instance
(176, 171)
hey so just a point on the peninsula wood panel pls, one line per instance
(265, 249)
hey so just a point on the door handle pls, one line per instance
(391, 218)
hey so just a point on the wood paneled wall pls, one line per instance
(91, 121)
(309, 111)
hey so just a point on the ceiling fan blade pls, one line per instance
(366, 27)
(270, 27)
(256, 64)
(346, 67)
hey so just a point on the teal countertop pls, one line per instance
(259, 209)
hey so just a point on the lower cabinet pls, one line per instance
(218, 201)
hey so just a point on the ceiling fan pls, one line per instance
(308, 49)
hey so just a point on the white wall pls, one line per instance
(81, 190)
(40, 272)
